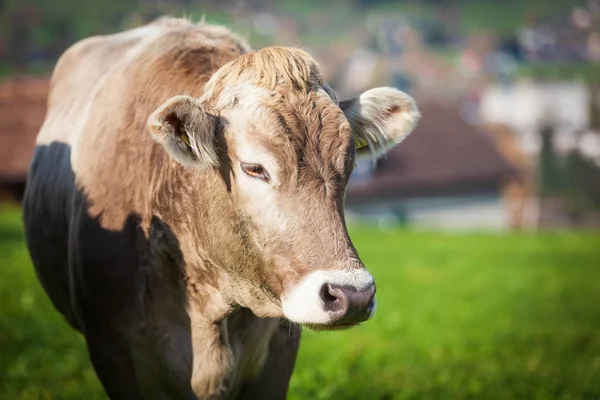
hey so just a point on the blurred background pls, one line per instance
(481, 228)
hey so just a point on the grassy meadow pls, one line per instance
(482, 316)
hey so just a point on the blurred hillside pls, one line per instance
(33, 33)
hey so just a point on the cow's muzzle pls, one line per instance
(329, 299)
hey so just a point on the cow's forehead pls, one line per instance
(270, 68)
(301, 130)
(307, 118)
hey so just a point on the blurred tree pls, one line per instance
(550, 176)
(19, 38)
(581, 183)
(594, 105)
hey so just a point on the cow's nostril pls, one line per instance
(334, 299)
(325, 295)
(348, 304)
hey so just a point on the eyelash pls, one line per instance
(256, 171)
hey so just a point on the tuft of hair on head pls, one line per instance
(270, 68)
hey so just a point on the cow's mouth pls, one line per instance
(331, 327)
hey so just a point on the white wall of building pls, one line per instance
(527, 104)
(456, 213)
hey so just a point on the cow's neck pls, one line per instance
(248, 338)
(229, 343)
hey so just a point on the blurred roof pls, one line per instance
(443, 156)
(22, 110)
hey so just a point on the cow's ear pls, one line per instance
(380, 119)
(186, 131)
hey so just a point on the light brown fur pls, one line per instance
(165, 260)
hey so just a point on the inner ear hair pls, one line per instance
(380, 119)
(178, 126)
(186, 131)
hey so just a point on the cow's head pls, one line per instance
(285, 148)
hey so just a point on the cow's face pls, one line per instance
(287, 160)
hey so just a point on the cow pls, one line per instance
(184, 208)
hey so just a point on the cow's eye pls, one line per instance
(256, 171)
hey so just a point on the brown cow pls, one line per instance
(184, 208)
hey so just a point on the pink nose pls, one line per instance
(346, 304)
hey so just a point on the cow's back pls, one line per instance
(94, 160)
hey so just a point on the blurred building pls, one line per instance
(526, 105)
(447, 174)
(22, 110)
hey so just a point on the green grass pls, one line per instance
(506, 17)
(460, 316)
(561, 72)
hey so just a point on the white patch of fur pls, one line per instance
(303, 304)
(250, 151)
(262, 201)
(245, 95)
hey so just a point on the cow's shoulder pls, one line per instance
(78, 74)
(179, 59)
(84, 63)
